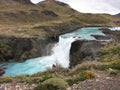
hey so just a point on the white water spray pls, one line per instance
(61, 51)
(114, 28)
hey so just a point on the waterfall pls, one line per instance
(60, 55)
(61, 50)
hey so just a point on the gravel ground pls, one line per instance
(100, 83)
(18, 86)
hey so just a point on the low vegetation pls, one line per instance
(53, 84)
(110, 56)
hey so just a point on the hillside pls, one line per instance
(23, 14)
(14, 2)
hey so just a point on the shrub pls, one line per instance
(114, 72)
(87, 65)
(53, 84)
(113, 66)
(87, 74)
(5, 79)
(110, 49)
(110, 56)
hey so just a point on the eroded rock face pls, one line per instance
(20, 49)
(84, 50)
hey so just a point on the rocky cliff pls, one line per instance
(84, 51)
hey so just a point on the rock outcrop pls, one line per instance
(20, 49)
(84, 50)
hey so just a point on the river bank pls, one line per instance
(80, 51)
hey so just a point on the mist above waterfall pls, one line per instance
(61, 50)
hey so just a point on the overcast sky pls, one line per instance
(93, 6)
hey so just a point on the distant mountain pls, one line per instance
(118, 15)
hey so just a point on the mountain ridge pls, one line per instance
(118, 15)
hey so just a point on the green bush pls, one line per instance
(53, 84)
(113, 66)
(114, 72)
(36, 78)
